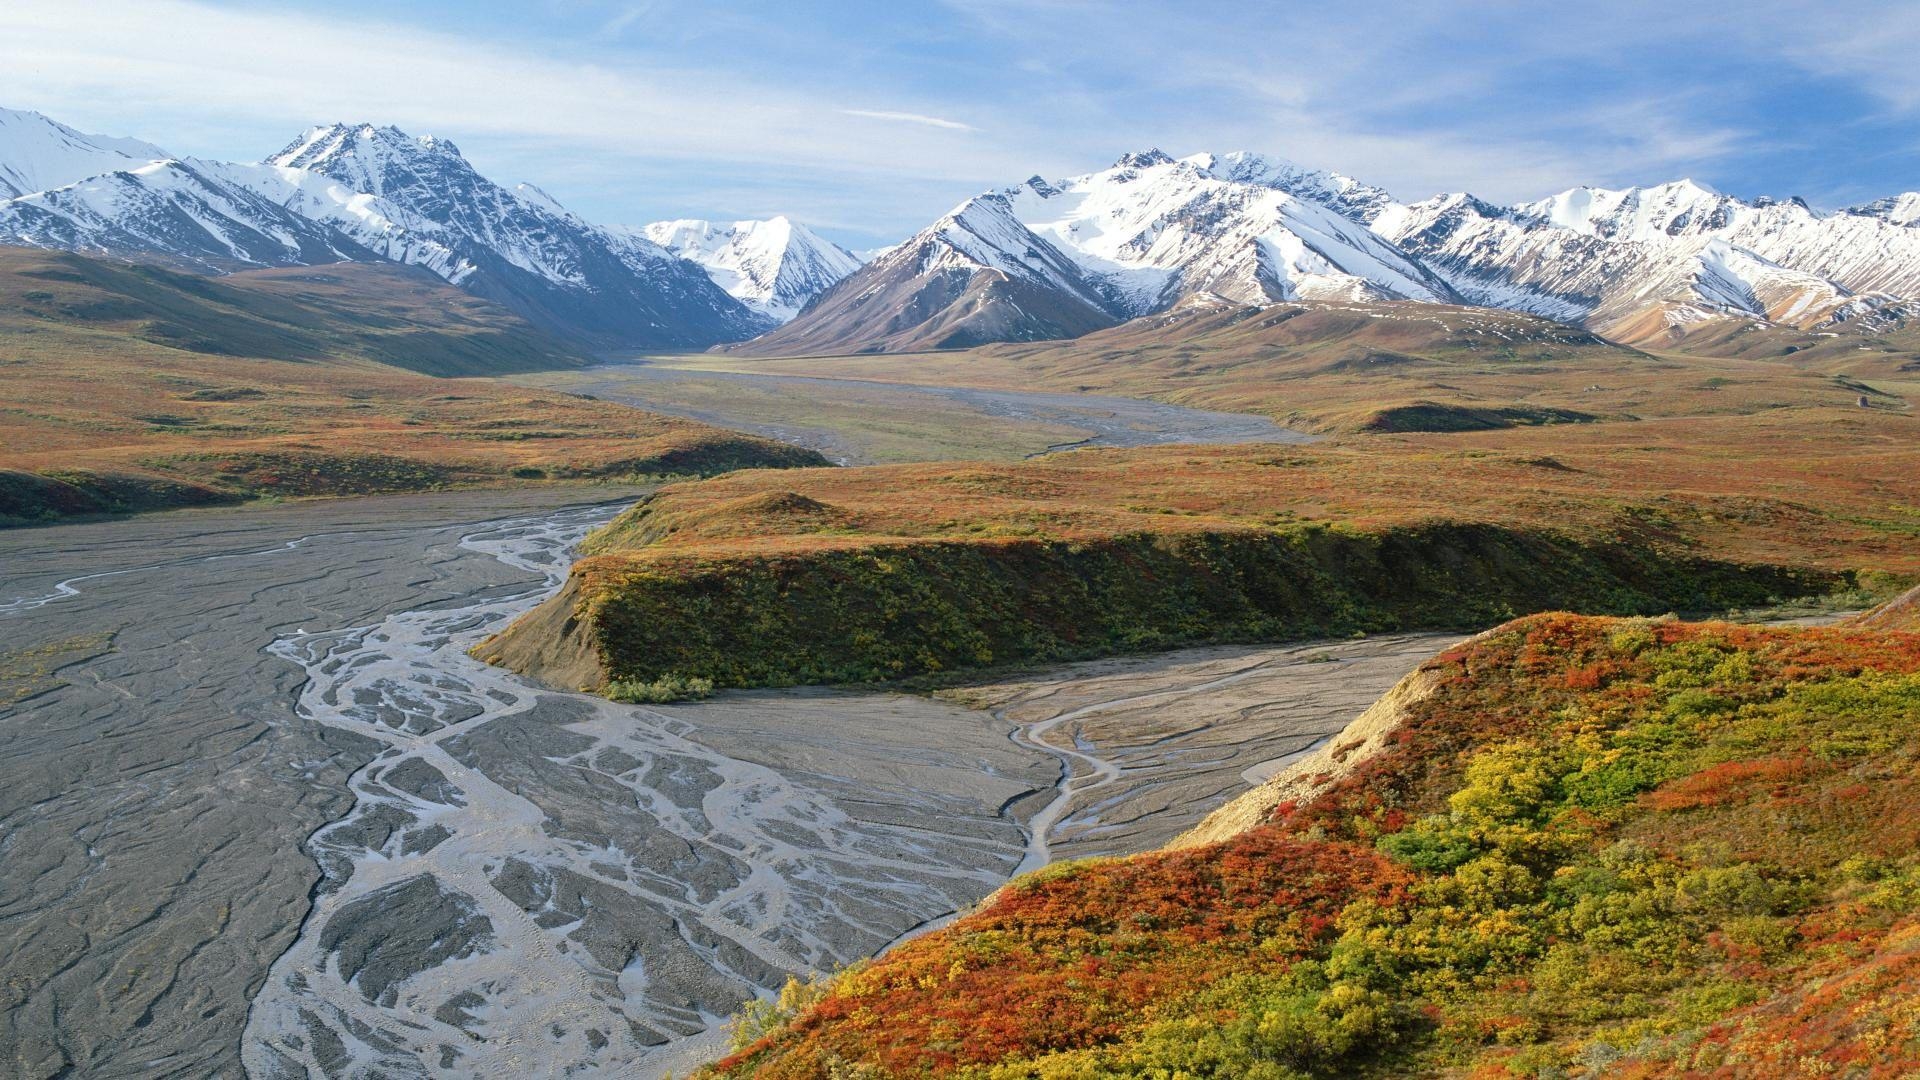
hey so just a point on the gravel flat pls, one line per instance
(260, 814)
(1076, 420)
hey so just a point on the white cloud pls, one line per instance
(193, 59)
(909, 118)
(712, 104)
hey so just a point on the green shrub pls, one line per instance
(661, 690)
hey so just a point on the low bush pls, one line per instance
(660, 691)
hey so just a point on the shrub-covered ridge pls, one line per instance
(817, 575)
(1621, 846)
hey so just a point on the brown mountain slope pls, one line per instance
(1387, 366)
(927, 294)
(126, 387)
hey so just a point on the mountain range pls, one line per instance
(347, 192)
(1645, 266)
(1046, 258)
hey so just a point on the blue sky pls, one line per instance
(871, 118)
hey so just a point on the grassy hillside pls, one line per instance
(389, 314)
(1402, 367)
(1642, 848)
(857, 574)
(132, 388)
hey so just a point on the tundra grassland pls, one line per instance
(1387, 367)
(133, 388)
(817, 575)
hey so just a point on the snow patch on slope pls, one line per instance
(774, 266)
(37, 153)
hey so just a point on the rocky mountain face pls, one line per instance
(359, 193)
(775, 267)
(1057, 258)
(1641, 265)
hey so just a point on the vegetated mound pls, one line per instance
(28, 496)
(1630, 847)
(876, 573)
(1434, 416)
(133, 388)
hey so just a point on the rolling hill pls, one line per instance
(131, 387)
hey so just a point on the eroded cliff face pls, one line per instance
(1321, 767)
(552, 644)
(1900, 613)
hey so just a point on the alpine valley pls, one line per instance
(1201, 618)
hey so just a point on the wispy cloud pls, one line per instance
(638, 107)
(202, 60)
(626, 17)
(909, 118)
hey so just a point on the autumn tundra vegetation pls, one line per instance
(1630, 847)
(839, 575)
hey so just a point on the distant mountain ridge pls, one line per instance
(1060, 258)
(1638, 264)
(775, 267)
(41, 153)
(1047, 258)
(360, 192)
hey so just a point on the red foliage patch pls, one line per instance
(1077, 960)
(1728, 782)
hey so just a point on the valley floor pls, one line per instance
(855, 421)
(204, 716)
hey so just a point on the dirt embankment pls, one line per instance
(550, 644)
(1318, 769)
(1900, 613)
(869, 613)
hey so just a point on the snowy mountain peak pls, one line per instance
(1144, 159)
(1902, 209)
(373, 159)
(38, 153)
(1357, 200)
(1681, 207)
(532, 193)
(1039, 185)
(774, 267)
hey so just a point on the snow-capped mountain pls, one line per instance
(521, 248)
(975, 276)
(1052, 258)
(360, 192)
(1637, 263)
(37, 153)
(188, 213)
(1357, 200)
(775, 267)
(1041, 259)
(1901, 209)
